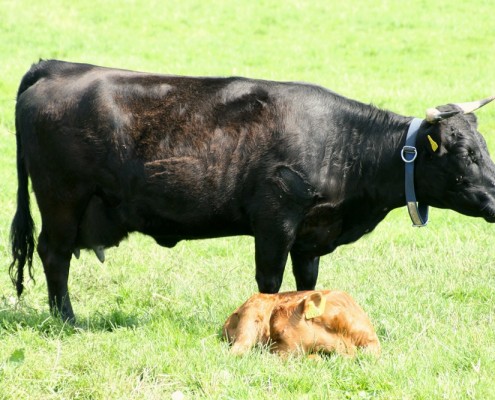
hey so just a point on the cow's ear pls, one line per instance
(433, 144)
(431, 139)
(314, 305)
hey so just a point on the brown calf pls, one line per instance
(308, 321)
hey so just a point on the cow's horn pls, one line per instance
(433, 115)
(473, 105)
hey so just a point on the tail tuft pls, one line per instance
(23, 244)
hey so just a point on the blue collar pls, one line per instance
(417, 212)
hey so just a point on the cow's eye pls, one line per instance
(459, 179)
(472, 156)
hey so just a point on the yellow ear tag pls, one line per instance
(434, 145)
(312, 310)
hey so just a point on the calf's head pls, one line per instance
(454, 169)
(302, 322)
(323, 322)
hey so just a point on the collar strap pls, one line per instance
(417, 212)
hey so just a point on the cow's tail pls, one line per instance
(22, 228)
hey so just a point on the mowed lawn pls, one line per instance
(149, 318)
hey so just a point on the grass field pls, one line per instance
(149, 318)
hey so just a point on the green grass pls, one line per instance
(149, 318)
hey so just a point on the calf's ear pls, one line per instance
(314, 305)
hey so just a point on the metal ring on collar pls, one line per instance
(409, 150)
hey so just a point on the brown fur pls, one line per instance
(279, 320)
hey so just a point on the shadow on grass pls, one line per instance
(12, 320)
(111, 321)
(195, 320)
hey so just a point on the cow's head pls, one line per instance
(454, 168)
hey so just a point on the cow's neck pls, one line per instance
(370, 180)
(368, 163)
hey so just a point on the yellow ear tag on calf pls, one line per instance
(434, 145)
(311, 310)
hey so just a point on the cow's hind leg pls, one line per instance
(56, 260)
(305, 269)
(56, 244)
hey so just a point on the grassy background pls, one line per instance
(149, 318)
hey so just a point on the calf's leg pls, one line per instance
(245, 335)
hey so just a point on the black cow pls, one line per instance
(300, 168)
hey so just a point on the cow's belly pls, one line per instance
(167, 232)
(165, 216)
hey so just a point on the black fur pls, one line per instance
(302, 169)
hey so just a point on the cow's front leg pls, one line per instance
(270, 264)
(272, 246)
(305, 269)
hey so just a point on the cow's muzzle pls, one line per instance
(489, 213)
(488, 209)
